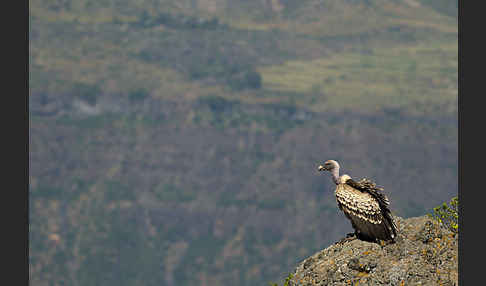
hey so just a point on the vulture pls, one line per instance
(364, 205)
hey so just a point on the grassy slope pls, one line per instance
(134, 193)
(410, 76)
(111, 55)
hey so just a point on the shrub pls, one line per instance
(217, 104)
(138, 95)
(248, 79)
(286, 283)
(446, 215)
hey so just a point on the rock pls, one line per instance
(424, 254)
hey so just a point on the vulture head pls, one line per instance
(333, 167)
(329, 165)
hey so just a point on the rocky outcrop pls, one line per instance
(423, 254)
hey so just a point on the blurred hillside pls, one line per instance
(176, 142)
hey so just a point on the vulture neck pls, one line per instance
(335, 175)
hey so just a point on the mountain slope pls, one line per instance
(176, 142)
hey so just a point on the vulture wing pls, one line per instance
(367, 208)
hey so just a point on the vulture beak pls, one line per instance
(321, 168)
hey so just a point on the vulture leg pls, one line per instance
(351, 234)
(364, 237)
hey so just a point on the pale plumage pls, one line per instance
(363, 204)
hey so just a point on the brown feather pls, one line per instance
(366, 208)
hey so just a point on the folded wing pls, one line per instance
(367, 208)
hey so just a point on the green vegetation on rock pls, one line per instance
(286, 281)
(447, 215)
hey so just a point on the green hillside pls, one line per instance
(176, 142)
